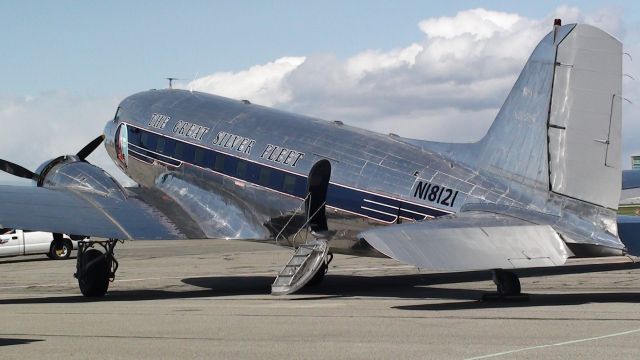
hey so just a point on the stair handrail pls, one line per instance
(295, 212)
(304, 226)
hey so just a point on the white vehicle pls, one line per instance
(24, 242)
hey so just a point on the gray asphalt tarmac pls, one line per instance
(210, 299)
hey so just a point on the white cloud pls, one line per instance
(446, 86)
(41, 127)
(263, 82)
(481, 23)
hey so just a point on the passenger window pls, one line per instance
(208, 159)
(179, 150)
(199, 157)
(169, 147)
(230, 165)
(264, 176)
(189, 153)
(161, 144)
(241, 169)
(289, 185)
(219, 165)
(253, 170)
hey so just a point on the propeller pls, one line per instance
(17, 170)
(88, 149)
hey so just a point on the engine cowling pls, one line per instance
(70, 171)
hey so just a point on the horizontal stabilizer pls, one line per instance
(471, 240)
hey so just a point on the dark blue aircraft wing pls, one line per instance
(88, 213)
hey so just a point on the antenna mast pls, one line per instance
(171, 81)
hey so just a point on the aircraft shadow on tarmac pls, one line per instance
(24, 260)
(414, 286)
(11, 341)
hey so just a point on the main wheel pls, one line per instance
(93, 279)
(322, 271)
(60, 254)
(507, 282)
(318, 276)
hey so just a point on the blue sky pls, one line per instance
(119, 47)
(65, 65)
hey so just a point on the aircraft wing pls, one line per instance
(471, 240)
(78, 212)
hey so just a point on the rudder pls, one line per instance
(560, 127)
(586, 119)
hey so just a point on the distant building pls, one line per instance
(635, 161)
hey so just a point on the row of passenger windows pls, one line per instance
(229, 165)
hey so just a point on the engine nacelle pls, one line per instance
(70, 171)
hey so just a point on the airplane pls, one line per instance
(629, 211)
(541, 186)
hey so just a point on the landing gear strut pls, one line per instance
(506, 282)
(508, 287)
(95, 268)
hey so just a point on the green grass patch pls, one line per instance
(629, 210)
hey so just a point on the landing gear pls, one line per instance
(506, 282)
(95, 268)
(508, 287)
(324, 268)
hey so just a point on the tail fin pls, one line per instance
(560, 127)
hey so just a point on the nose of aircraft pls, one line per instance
(109, 130)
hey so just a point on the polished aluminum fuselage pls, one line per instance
(375, 179)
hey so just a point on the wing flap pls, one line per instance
(471, 241)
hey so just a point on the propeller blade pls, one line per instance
(17, 170)
(88, 149)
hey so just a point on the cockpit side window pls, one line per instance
(116, 117)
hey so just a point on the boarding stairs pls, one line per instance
(308, 258)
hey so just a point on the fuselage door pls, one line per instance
(317, 185)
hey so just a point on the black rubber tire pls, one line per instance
(318, 276)
(94, 280)
(508, 283)
(67, 247)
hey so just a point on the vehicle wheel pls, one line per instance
(94, 277)
(60, 254)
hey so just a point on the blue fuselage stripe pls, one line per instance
(174, 152)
